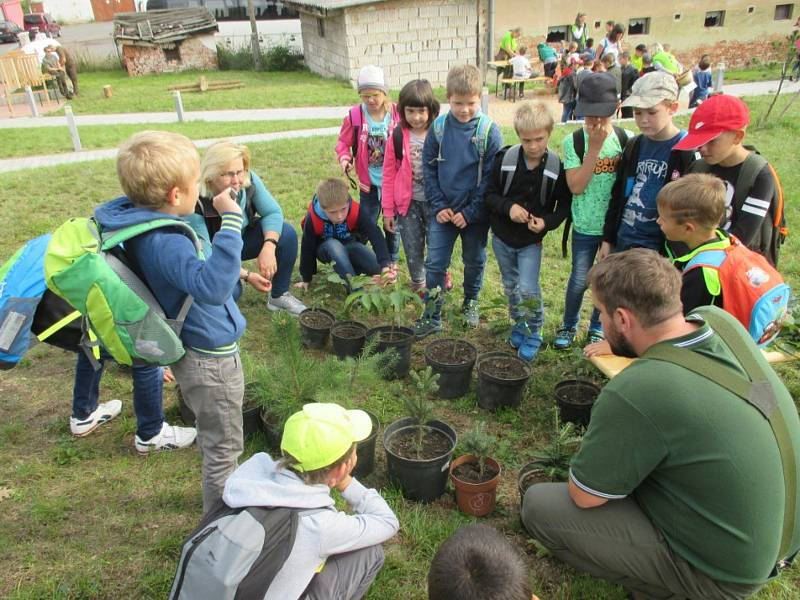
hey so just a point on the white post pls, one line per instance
(485, 100)
(719, 77)
(73, 128)
(178, 105)
(32, 101)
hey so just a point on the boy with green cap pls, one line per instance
(334, 555)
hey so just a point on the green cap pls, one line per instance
(321, 433)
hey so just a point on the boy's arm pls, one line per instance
(476, 210)
(563, 199)
(266, 206)
(308, 252)
(430, 169)
(756, 207)
(368, 227)
(390, 167)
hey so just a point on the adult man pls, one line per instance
(678, 489)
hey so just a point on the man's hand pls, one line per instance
(301, 285)
(535, 224)
(444, 216)
(224, 202)
(390, 224)
(459, 221)
(259, 282)
(267, 263)
(518, 214)
(605, 250)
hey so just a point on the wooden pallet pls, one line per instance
(204, 85)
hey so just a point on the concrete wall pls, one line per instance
(688, 35)
(70, 11)
(328, 54)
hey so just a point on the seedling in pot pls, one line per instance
(501, 326)
(417, 404)
(480, 444)
(553, 459)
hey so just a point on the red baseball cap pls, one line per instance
(712, 118)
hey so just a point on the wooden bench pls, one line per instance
(499, 67)
(510, 83)
(18, 70)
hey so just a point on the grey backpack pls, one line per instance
(235, 553)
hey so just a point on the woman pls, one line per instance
(508, 44)
(578, 31)
(267, 237)
(612, 43)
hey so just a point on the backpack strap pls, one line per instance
(481, 141)
(579, 143)
(352, 215)
(509, 166)
(748, 172)
(397, 141)
(356, 120)
(552, 169)
(622, 136)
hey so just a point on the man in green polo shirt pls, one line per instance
(678, 488)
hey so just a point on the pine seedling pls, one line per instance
(418, 406)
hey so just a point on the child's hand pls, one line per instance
(224, 202)
(459, 221)
(346, 164)
(259, 282)
(536, 224)
(597, 137)
(518, 214)
(167, 375)
(444, 216)
(301, 285)
(389, 274)
(597, 349)
(605, 250)
(390, 224)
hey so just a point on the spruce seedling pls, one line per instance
(418, 406)
(480, 444)
(555, 456)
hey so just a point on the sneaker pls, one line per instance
(530, 347)
(424, 326)
(472, 313)
(595, 335)
(448, 281)
(102, 414)
(565, 336)
(170, 438)
(517, 337)
(286, 302)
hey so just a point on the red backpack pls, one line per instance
(319, 225)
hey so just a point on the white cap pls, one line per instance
(371, 77)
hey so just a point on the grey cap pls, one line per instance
(651, 89)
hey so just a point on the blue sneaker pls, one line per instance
(530, 347)
(565, 336)
(595, 335)
(517, 336)
(424, 326)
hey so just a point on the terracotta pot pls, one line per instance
(476, 499)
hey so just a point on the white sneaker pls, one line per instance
(102, 414)
(170, 438)
(286, 302)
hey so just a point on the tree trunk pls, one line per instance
(254, 45)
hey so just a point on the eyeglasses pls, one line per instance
(368, 97)
(231, 174)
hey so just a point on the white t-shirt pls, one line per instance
(522, 66)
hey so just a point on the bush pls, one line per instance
(281, 58)
(237, 59)
(276, 58)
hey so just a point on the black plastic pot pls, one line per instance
(420, 480)
(314, 335)
(455, 374)
(251, 420)
(348, 338)
(575, 400)
(365, 450)
(497, 390)
(272, 431)
(398, 339)
(530, 474)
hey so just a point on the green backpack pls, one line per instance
(85, 266)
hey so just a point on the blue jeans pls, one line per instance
(568, 111)
(584, 251)
(371, 204)
(441, 240)
(285, 253)
(147, 387)
(519, 270)
(348, 258)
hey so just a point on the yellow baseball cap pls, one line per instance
(322, 432)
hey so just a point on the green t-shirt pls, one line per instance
(589, 208)
(703, 464)
(509, 43)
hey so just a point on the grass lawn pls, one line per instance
(754, 73)
(88, 518)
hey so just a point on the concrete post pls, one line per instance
(73, 128)
(32, 101)
(719, 77)
(485, 100)
(178, 105)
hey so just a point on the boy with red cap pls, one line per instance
(717, 131)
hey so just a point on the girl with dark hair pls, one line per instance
(612, 43)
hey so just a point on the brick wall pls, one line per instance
(326, 55)
(194, 53)
(737, 54)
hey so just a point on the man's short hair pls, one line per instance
(332, 192)
(477, 562)
(532, 116)
(641, 281)
(464, 80)
(698, 198)
(151, 163)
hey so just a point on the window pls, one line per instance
(597, 24)
(557, 33)
(783, 12)
(715, 18)
(751, 9)
(639, 26)
(173, 53)
(321, 27)
(676, 17)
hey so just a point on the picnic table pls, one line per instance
(511, 83)
(499, 67)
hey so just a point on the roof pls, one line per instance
(162, 26)
(323, 6)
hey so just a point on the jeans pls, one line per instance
(371, 204)
(285, 253)
(568, 111)
(147, 387)
(348, 258)
(519, 270)
(413, 227)
(584, 251)
(441, 240)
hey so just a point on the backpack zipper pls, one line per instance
(195, 542)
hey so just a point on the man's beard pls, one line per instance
(619, 345)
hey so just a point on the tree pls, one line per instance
(254, 45)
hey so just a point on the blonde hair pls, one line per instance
(464, 80)
(698, 198)
(216, 159)
(332, 192)
(532, 116)
(151, 163)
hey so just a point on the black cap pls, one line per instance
(641, 48)
(597, 95)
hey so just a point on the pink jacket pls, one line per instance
(343, 146)
(397, 179)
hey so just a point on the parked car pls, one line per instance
(9, 31)
(44, 22)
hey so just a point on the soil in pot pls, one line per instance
(529, 475)
(453, 360)
(398, 339)
(502, 378)
(365, 449)
(315, 327)
(434, 444)
(348, 338)
(471, 472)
(575, 400)
(475, 493)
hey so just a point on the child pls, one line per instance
(590, 50)
(333, 555)
(649, 161)
(527, 197)
(521, 68)
(717, 131)
(333, 229)
(702, 79)
(549, 58)
(647, 64)
(628, 75)
(567, 90)
(573, 55)
(52, 65)
(612, 68)
(638, 55)
(362, 144)
(403, 201)
(159, 172)
(478, 562)
(457, 163)
(591, 160)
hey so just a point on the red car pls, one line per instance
(44, 22)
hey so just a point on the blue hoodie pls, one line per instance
(451, 182)
(168, 262)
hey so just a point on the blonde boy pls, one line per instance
(527, 197)
(457, 166)
(159, 172)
